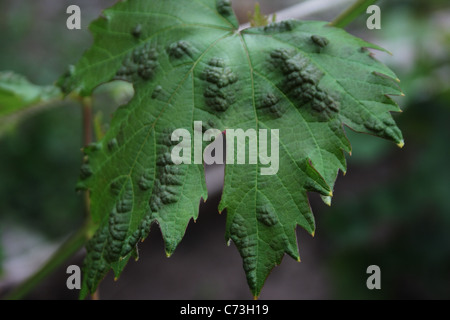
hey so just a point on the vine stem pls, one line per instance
(67, 250)
(351, 13)
(87, 120)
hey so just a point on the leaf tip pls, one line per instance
(327, 199)
(401, 144)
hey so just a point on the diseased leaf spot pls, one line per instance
(210, 124)
(246, 245)
(302, 82)
(169, 176)
(179, 49)
(238, 227)
(131, 243)
(119, 220)
(156, 92)
(116, 186)
(389, 122)
(320, 41)
(219, 93)
(386, 128)
(295, 67)
(277, 27)
(137, 30)
(112, 144)
(165, 191)
(373, 124)
(142, 62)
(95, 266)
(270, 103)
(86, 171)
(325, 104)
(146, 181)
(266, 215)
(250, 263)
(144, 227)
(224, 7)
(217, 62)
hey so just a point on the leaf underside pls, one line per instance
(187, 63)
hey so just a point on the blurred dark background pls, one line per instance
(392, 209)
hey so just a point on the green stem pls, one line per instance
(67, 250)
(351, 13)
(87, 120)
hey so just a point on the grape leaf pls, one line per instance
(187, 63)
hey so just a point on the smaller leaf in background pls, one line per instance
(16, 93)
(18, 96)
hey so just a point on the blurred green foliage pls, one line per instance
(401, 223)
(17, 93)
(38, 172)
(20, 98)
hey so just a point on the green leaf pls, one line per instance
(19, 97)
(188, 62)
